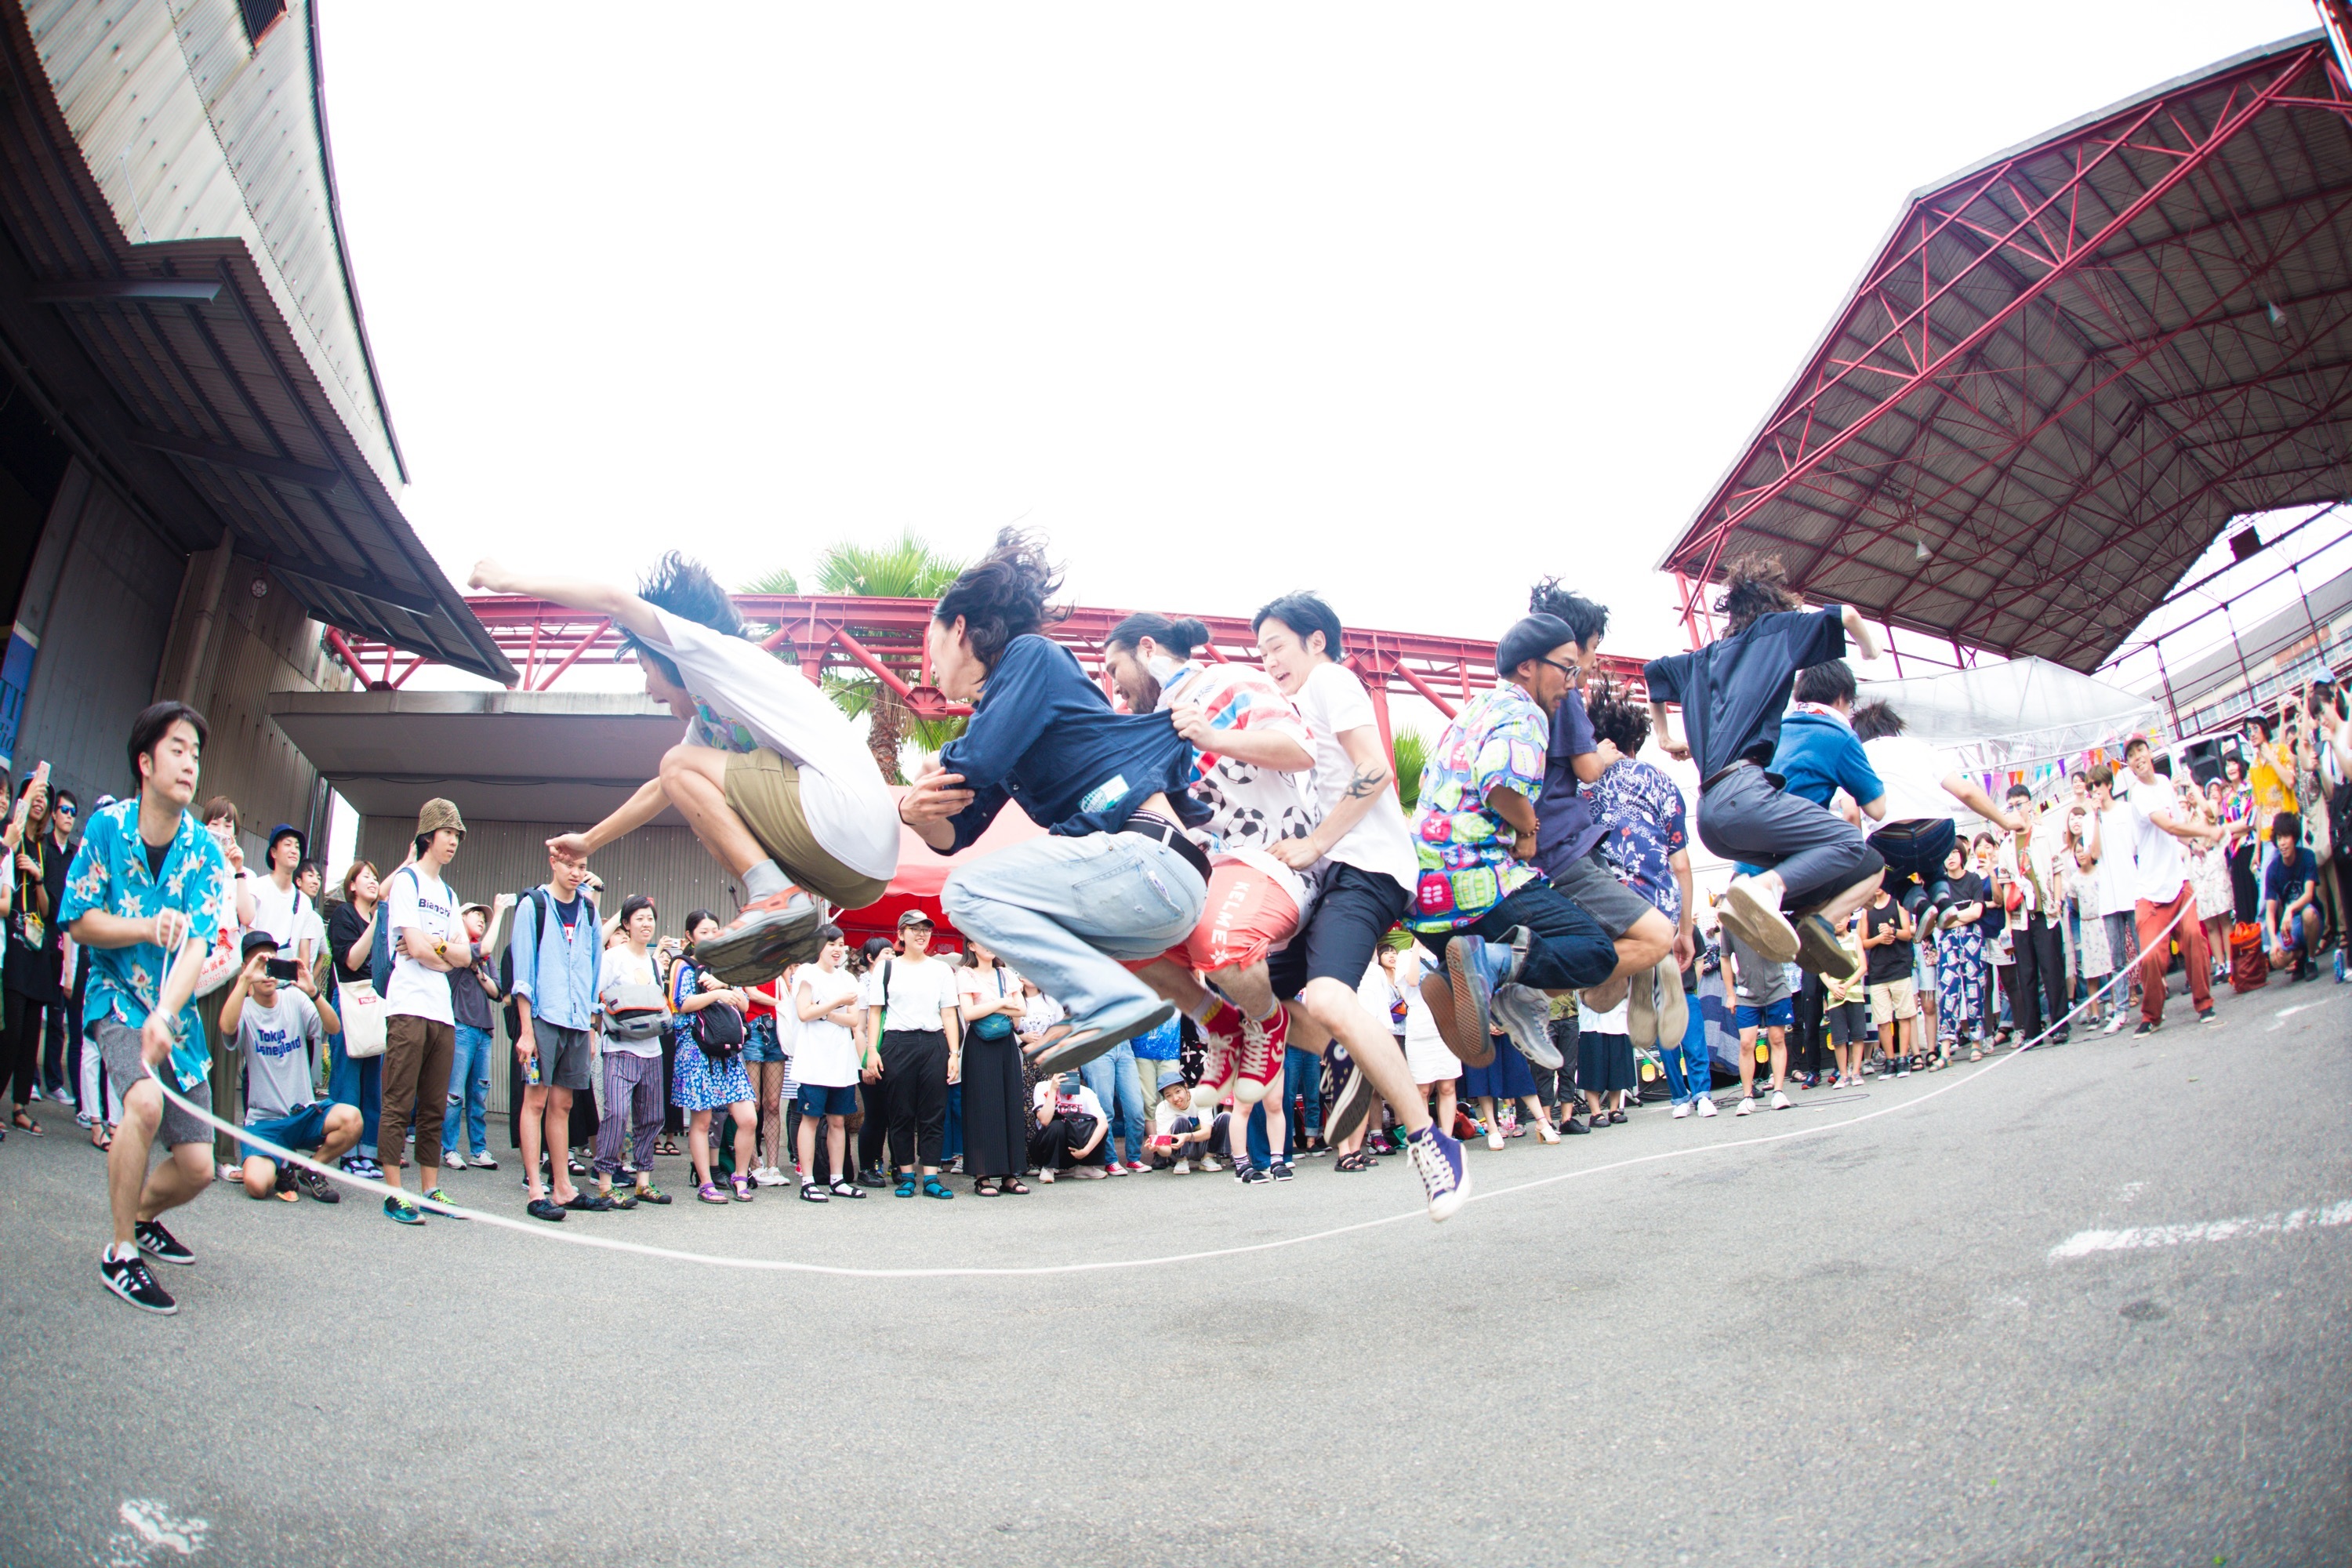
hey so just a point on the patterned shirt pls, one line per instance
(1643, 828)
(1498, 741)
(111, 876)
(1250, 805)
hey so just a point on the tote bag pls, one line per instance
(363, 1014)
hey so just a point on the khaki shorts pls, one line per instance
(1893, 1001)
(765, 790)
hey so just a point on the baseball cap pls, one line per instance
(914, 918)
(1170, 1078)
(256, 941)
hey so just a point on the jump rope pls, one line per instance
(540, 1231)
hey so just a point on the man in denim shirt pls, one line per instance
(557, 962)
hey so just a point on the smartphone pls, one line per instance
(279, 969)
(25, 801)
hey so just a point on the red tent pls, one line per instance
(923, 872)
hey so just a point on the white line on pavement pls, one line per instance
(2084, 1243)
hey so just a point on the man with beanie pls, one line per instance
(428, 942)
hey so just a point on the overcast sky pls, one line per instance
(1408, 304)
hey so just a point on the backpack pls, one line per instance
(718, 1028)
(379, 953)
(546, 902)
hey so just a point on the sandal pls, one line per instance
(1013, 1187)
(1356, 1161)
(709, 1192)
(935, 1188)
(1975, 1054)
(984, 1187)
(813, 1193)
(843, 1189)
(742, 1185)
(906, 1189)
(101, 1139)
(667, 1146)
(25, 1124)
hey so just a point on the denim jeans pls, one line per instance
(1302, 1073)
(951, 1138)
(469, 1091)
(2123, 946)
(359, 1083)
(1113, 1078)
(1066, 912)
(1690, 1069)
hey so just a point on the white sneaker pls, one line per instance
(2114, 1023)
(482, 1161)
(1047, 1177)
(1682, 1111)
(1209, 1162)
(1706, 1105)
(1747, 1104)
(456, 1162)
(1182, 1167)
(1779, 1100)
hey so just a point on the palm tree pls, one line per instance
(905, 568)
(1408, 752)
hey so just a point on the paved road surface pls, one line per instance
(1855, 1347)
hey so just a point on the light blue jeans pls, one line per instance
(1066, 912)
(1113, 1078)
(469, 1091)
(1690, 1069)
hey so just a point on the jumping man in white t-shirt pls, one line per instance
(770, 775)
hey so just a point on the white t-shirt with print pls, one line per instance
(1250, 805)
(1084, 1102)
(917, 992)
(2162, 871)
(1164, 1116)
(750, 699)
(2119, 870)
(826, 1053)
(425, 903)
(1334, 702)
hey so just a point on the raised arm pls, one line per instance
(1679, 750)
(573, 593)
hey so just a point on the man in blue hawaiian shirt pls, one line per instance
(1476, 831)
(144, 897)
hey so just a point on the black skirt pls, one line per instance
(995, 1110)
(1604, 1062)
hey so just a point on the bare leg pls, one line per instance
(534, 1118)
(746, 1136)
(1747, 1062)
(698, 1147)
(1332, 1005)
(260, 1176)
(1649, 939)
(836, 1143)
(557, 1120)
(808, 1144)
(1447, 1103)
(695, 779)
(1780, 1039)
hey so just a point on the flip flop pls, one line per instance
(1097, 1036)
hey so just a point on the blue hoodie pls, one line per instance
(1819, 756)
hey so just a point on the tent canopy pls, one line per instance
(923, 871)
(2000, 717)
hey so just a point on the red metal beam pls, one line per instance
(2106, 140)
(604, 625)
(342, 648)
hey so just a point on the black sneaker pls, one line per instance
(546, 1209)
(160, 1244)
(317, 1187)
(871, 1178)
(1251, 1176)
(1280, 1171)
(129, 1279)
(2143, 1031)
(286, 1177)
(2209, 1016)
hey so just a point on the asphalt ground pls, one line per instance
(1852, 1347)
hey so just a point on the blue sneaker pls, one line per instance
(1474, 967)
(402, 1210)
(1526, 1015)
(1437, 1160)
(2342, 974)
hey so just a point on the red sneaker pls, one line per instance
(1220, 1053)
(1260, 1062)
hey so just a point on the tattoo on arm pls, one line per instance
(1367, 782)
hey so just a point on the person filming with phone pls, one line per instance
(279, 1019)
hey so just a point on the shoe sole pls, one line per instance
(1445, 1208)
(120, 1294)
(1535, 1046)
(1470, 1022)
(1072, 1050)
(763, 950)
(1348, 1107)
(187, 1262)
(1768, 931)
(1821, 954)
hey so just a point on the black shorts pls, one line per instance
(1341, 932)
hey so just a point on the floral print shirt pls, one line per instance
(111, 876)
(1644, 826)
(1467, 866)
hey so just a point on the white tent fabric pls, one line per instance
(2017, 715)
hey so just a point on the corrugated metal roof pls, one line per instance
(2067, 369)
(260, 395)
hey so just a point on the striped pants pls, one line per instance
(1959, 974)
(633, 1111)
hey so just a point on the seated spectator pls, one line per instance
(1071, 1128)
(1184, 1138)
(2291, 918)
(278, 1022)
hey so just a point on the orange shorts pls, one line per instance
(1248, 911)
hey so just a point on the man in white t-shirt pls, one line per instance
(914, 1015)
(1917, 831)
(278, 905)
(1368, 870)
(1062, 1139)
(2165, 898)
(428, 942)
(2115, 869)
(827, 1061)
(770, 775)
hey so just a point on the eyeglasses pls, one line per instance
(1569, 670)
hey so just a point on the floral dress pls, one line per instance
(698, 1082)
